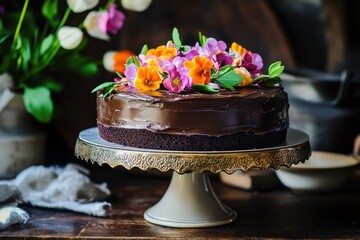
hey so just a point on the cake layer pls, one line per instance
(253, 110)
(252, 117)
(147, 139)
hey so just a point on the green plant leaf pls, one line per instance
(136, 61)
(102, 86)
(275, 69)
(4, 38)
(26, 53)
(260, 78)
(225, 69)
(229, 80)
(52, 85)
(202, 39)
(38, 103)
(271, 81)
(144, 49)
(213, 73)
(203, 88)
(46, 44)
(108, 90)
(119, 74)
(88, 69)
(176, 38)
(49, 10)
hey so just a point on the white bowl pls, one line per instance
(323, 172)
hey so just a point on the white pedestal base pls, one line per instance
(190, 202)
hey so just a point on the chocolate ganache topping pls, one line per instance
(253, 109)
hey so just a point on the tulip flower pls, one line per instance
(69, 37)
(115, 61)
(92, 27)
(78, 6)
(111, 20)
(136, 5)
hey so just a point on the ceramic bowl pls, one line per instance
(323, 172)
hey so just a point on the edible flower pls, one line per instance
(147, 78)
(199, 69)
(207, 67)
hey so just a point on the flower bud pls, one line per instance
(92, 27)
(78, 6)
(69, 37)
(136, 5)
(108, 61)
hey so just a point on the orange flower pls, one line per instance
(199, 69)
(238, 48)
(120, 59)
(163, 52)
(247, 80)
(147, 78)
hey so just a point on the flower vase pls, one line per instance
(21, 145)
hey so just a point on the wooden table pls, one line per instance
(277, 213)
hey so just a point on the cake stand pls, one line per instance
(189, 201)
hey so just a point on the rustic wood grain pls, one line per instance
(269, 214)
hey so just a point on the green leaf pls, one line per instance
(203, 88)
(18, 44)
(119, 74)
(26, 53)
(46, 43)
(176, 38)
(144, 49)
(213, 73)
(49, 11)
(275, 69)
(229, 80)
(271, 81)
(130, 60)
(260, 78)
(4, 38)
(102, 86)
(38, 103)
(108, 90)
(136, 61)
(225, 69)
(88, 69)
(52, 85)
(202, 39)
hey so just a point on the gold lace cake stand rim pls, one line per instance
(91, 147)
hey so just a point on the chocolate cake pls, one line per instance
(205, 97)
(251, 117)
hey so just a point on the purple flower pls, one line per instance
(222, 59)
(177, 79)
(253, 63)
(175, 82)
(111, 21)
(215, 46)
(130, 72)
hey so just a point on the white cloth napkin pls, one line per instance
(53, 187)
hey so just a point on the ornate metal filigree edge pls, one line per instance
(186, 162)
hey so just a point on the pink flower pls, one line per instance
(253, 63)
(177, 79)
(175, 82)
(111, 21)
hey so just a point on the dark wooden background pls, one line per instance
(321, 35)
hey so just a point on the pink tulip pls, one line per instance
(111, 21)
